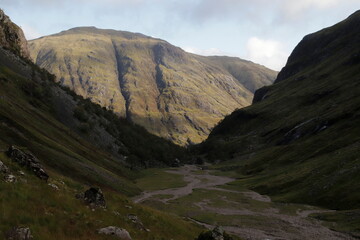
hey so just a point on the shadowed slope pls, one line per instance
(300, 139)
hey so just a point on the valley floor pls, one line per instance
(206, 199)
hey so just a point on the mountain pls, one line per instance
(299, 141)
(61, 145)
(172, 93)
(71, 135)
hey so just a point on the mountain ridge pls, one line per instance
(172, 93)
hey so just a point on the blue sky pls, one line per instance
(263, 31)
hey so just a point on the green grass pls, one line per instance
(56, 146)
(157, 179)
(342, 221)
(186, 207)
(52, 214)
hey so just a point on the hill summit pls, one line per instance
(174, 94)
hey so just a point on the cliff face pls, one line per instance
(173, 94)
(12, 37)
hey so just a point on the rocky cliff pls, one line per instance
(172, 93)
(12, 37)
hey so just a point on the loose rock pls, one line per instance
(10, 178)
(118, 232)
(55, 187)
(27, 160)
(19, 233)
(3, 168)
(137, 222)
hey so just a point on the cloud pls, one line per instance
(30, 32)
(266, 52)
(295, 8)
(205, 52)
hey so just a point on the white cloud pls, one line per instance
(205, 52)
(30, 32)
(293, 8)
(269, 53)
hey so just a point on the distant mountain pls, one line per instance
(172, 93)
(300, 140)
(70, 135)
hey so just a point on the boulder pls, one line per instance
(19, 233)
(54, 186)
(176, 163)
(115, 231)
(217, 233)
(9, 178)
(27, 160)
(94, 197)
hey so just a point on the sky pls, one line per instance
(263, 31)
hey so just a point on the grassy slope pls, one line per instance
(173, 94)
(319, 167)
(35, 129)
(158, 179)
(53, 214)
(31, 107)
(252, 76)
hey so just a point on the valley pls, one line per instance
(110, 134)
(207, 199)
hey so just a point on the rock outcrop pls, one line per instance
(172, 93)
(115, 231)
(27, 160)
(12, 37)
(19, 233)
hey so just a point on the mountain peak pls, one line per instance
(172, 93)
(100, 31)
(320, 46)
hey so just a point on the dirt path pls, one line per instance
(271, 223)
(195, 181)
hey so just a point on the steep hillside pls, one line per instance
(69, 134)
(300, 140)
(43, 181)
(173, 94)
